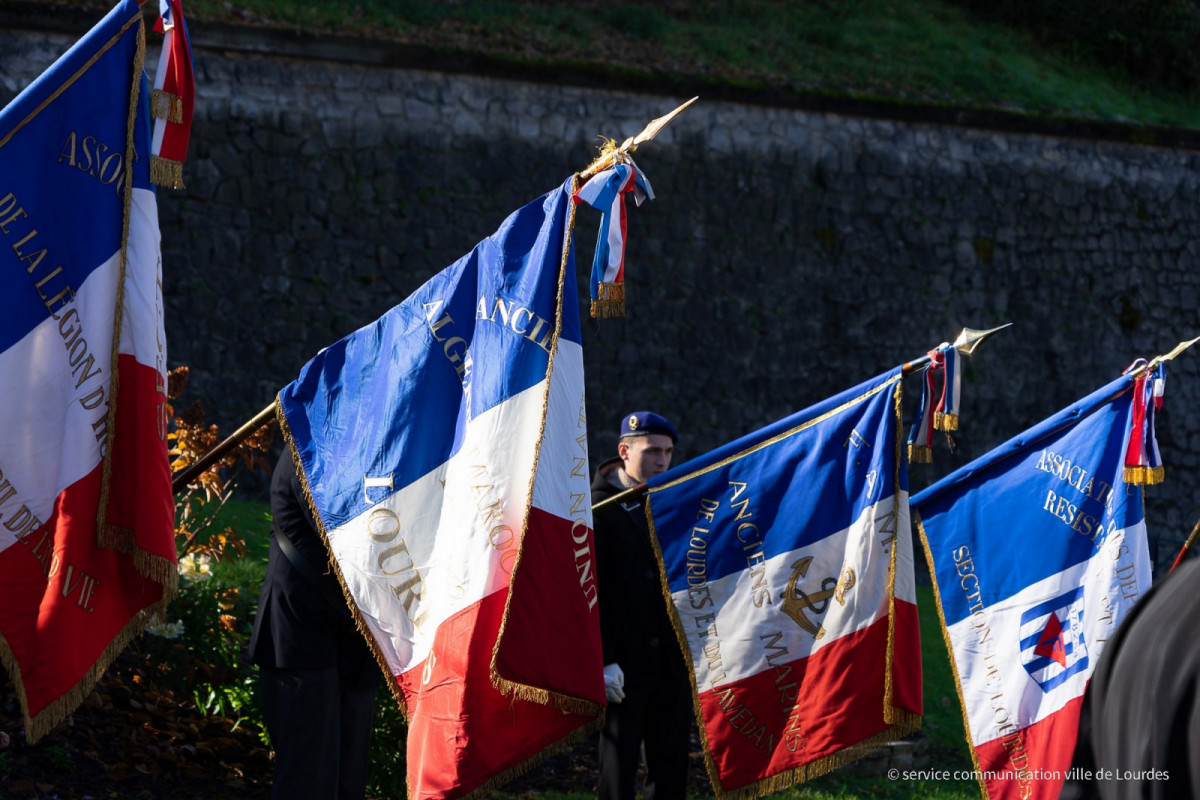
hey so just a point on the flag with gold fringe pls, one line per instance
(444, 450)
(173, 98)
(87, 544)
(1038, 550)
(788, 569)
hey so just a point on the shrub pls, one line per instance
(199, 648)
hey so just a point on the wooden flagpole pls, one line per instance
(968, 339)
(607, 157)
(181, 479)
(1187, 545)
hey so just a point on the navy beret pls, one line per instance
(647, 422)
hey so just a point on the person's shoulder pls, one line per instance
(603, 485)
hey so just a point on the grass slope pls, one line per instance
(926, 52)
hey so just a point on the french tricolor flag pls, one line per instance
(789, 570)
(87, 547)
(1038, 551)
(444, 448)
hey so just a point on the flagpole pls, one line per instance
(966, 343)
(1191, 540)
(183, 477)
(608, 155)
(1187, 545)
(613, 152)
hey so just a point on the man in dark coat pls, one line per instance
(317, 676)
(1139, 728)
(650, 701)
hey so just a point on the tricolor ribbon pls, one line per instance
(174, 96)
(606, 192)
(942, 415)
(945, 416)
(920, 438)
(1143, 461)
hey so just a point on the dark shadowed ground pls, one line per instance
(131, 741)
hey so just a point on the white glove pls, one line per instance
(614, 683)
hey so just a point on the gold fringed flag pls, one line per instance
(87, 541)
(173, 98)
(1038, 549)
(442, 449)
(788, 570)
(606, 191)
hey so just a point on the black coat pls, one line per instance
(1140, 721)
(635, 628)
(303, 621)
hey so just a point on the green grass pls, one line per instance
(906, 51)
(252, 521)
(943, 723)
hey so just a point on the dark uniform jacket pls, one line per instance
(635, 628)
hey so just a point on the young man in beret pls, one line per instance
(649, 695)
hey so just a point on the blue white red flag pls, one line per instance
(790, 579)
(1038, 550)
(444, 448)
(87, 544)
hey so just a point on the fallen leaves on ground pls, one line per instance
(129, 740)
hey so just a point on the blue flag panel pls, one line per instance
(789, 464)
(1035, 506)
(474, 335)
(65, 118)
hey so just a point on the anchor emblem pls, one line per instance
(796, 602)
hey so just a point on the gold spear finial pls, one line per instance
(969, 338)
(611, 151)
(1179, 348)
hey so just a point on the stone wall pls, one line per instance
(789, 253)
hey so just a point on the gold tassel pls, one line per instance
(165, 172)
(920, 454)
(610, 301)
(1144, 476)
(945, 422)
(164, 105)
